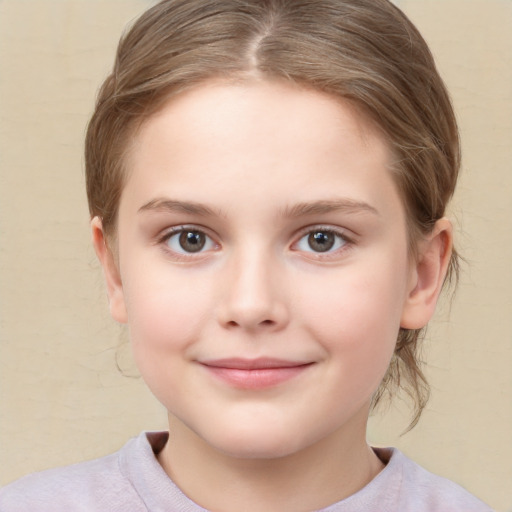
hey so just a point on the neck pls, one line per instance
(313, 478)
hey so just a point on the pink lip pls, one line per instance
(255, 373)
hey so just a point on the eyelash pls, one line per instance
(177, 230)
(340, 235)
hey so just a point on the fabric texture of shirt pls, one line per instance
(132, 480)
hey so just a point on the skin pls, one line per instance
(243, 164)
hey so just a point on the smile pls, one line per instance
(255, 373)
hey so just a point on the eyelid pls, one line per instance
(163, 237)
(337, 230)
(345, 234)
(348, 236)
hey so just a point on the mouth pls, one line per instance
(255, 374)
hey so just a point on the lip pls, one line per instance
(255, 374)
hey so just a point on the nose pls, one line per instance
(253, 294)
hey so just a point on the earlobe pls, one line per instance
(428, 276)
(110, 272)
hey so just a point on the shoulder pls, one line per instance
(95, 485)
(423, 491)
(404, 486)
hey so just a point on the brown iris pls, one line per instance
(192, 241)
(321, 241)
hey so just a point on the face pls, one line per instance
(262, 266)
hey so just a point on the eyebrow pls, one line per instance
(171, 205)
(298, 210)
(327, 206)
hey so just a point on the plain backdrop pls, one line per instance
(62, 397)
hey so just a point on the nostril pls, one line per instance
(252, 315)
(233, 323)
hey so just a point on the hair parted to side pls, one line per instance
(364, 51)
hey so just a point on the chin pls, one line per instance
(257, 451)
(251, 443)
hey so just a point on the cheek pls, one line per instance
(165, 319)
(352, 307)
(356, 318)
(165, 311)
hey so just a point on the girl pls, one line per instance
(267, 183)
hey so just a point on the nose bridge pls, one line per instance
(252, 294)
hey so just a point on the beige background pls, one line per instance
(62, 397)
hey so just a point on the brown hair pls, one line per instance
(366, 51)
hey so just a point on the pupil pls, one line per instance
(192, 241)
(321, 241)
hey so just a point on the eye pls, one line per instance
(188, 241)
(321, 240)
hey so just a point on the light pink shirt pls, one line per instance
(132, 480)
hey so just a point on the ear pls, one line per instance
(428, 275)
(110, 272)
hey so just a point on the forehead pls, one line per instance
(262, 104)
(262, 137)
